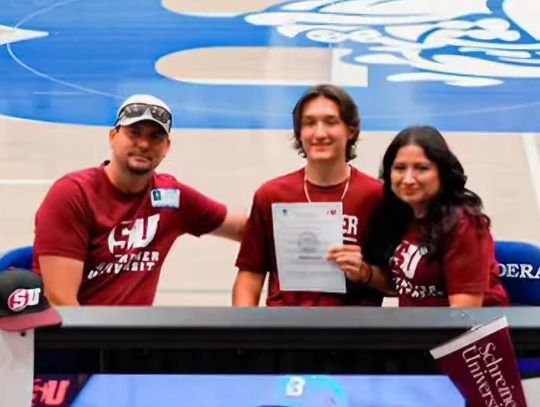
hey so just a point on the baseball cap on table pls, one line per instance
(137, 108)
(23, 304)
(308, 391)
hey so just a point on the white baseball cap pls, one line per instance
(137, 108)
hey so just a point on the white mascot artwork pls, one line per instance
(459, 42)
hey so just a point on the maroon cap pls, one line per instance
(23, 304)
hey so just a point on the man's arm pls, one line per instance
(62, 278)
(61, 240)
(254, 256)
(233, 226)
(465, 300)
(373, 277)
(247, 288)
(381, 281)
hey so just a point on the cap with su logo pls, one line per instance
(23, 304)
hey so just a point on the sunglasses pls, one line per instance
(159, 113)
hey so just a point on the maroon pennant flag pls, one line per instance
(482, 364)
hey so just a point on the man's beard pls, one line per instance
(139, 171)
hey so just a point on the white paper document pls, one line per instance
(303, 234)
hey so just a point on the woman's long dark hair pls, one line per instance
(443, 213)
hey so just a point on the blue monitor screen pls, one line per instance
(248, 391)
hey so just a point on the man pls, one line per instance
(326, 129)
(102, 234)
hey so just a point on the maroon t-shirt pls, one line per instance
(465, 264)
(121, 238)
(257, 251)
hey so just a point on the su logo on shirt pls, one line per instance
(139, 235)
(406, 258)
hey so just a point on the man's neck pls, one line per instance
(321, 173)
(124, 181)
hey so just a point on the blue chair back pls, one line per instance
(520, 271)
(20, 257)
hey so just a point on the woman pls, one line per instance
(432, 242)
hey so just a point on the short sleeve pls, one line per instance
(199, 214)
(62, 222)
(256, 247)
(466, 258)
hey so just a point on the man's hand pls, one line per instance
(349, 259)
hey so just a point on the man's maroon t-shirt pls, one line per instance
(121, 238)
(465, 264)
(257, 251)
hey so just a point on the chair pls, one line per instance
(520, 274)
(20, 257)
(519, 271)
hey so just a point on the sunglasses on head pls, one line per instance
(139, 109)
